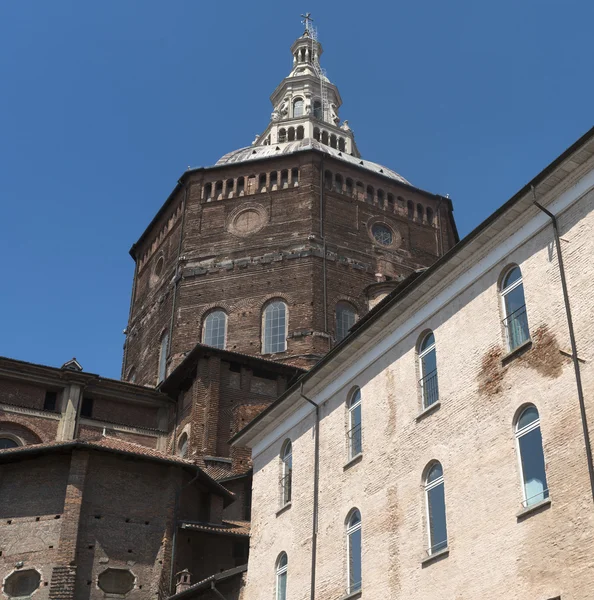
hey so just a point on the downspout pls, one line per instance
(213, 588)
(174, 537)
(324, 285)
(314, 531)
(574, 353)
(177, 270)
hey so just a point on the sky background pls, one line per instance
(103, 105)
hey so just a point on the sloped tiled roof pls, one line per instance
(216, 578)
(117, 445)
(227, 527)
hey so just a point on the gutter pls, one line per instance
(574, 352)
(316, 493)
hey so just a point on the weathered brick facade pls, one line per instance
(111, 490)
(314, 249)
(501, 542)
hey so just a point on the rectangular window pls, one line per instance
(50, 401)
(86, 409)
(438, 534)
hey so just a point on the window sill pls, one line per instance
(516, 352)
(355, 460)
(352, 595)
(429, 410)
(435, 557)
(283, 509)
(535, 508)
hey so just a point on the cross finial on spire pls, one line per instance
(307, 20)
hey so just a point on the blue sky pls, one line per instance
(104, 104)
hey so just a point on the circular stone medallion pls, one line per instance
(247, 219)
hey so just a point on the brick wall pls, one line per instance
(492, 552)
(240, 273)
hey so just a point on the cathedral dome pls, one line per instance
(283, 149)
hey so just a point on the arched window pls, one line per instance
(298, 107)
(286, 472)
(333, 141)
(391, 202)
(420, 212)
(338, 183)
(208, 191)
(345, 319)
(429, 216)
(218, 190)
(240, 186)
(369, 196)
(163, 358)
(354, 423)
(273, 180)
(6, 442)
(353, 533)
(291, 134)
(282, 564)
(436, 515)
(428, 370)
(532, 464)
(229, 188)
(380, 198)
(325, 137)
(214, 329)
(282, 135)
(262, 183)
(316, 134)
(300, 132)
(317, 110)
(182, 445)
(515, 320)
(295, 176)
(360, 190)
(275, 327)
(410, 210)
(349, 186)
(341, 144)
(284, 178)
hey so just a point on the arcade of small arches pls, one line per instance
(244, 186)
(378, 197)
(291, 134)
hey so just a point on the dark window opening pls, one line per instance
(50, 401)
(86, 409)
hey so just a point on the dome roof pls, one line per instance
(258, 152)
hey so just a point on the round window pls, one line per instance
(116, 581)
(22, 583)
(382, 235)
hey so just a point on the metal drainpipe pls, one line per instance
(574, 353)
(174, 538)
(213, 587)
(324, 286)
(314, 532)
(177, 275)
